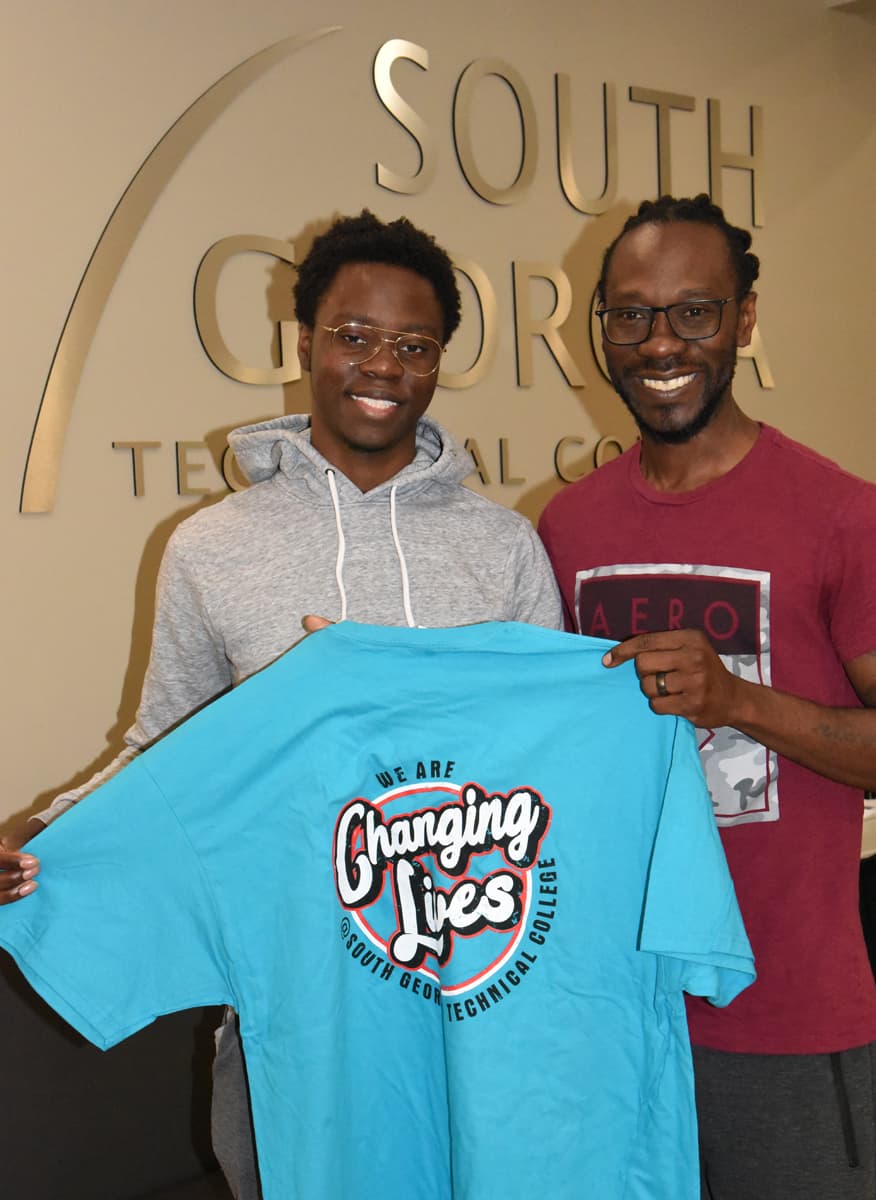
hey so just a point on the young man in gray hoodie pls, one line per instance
(357, 512)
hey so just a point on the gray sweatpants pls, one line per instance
(231, 1116)
(787, 1126)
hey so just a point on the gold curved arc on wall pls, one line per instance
(47, 444)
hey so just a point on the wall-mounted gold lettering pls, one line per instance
(562, 469)
(478, 459)
(186, 466)
(753, 161)
(606, 449)
(663, 102)
(526, 326)
(389, 53)
(592, 206)
(505, 475)
(757, 353)
(194, 457)
(231, 472)
(462, 105)
(485, 298)
(136, 450)
(207, 321)
(466, 87)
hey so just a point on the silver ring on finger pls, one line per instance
(660, 680)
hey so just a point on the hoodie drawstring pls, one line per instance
(406, 587)
(342, 546)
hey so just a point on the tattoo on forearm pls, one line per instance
(851, 735)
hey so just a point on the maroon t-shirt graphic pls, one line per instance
(732, 607)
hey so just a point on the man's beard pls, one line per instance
(717, 386)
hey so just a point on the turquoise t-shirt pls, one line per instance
(454, 882)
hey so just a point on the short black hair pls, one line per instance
(365, 239)
(700, 210)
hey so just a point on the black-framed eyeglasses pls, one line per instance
(416, 352)
(690, 320)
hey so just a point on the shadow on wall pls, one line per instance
(141, 637)
(598, 399)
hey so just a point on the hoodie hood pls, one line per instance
(279, 452)
(282, 447)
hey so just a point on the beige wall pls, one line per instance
(88, 91)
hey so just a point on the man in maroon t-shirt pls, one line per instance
(737, 568)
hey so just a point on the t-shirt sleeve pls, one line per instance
(691, 917)
(851, 570)
(122, 928)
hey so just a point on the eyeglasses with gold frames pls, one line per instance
(415, 352)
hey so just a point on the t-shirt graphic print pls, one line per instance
(455, 882)
(732, 606)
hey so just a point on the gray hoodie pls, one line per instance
(238, 576)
